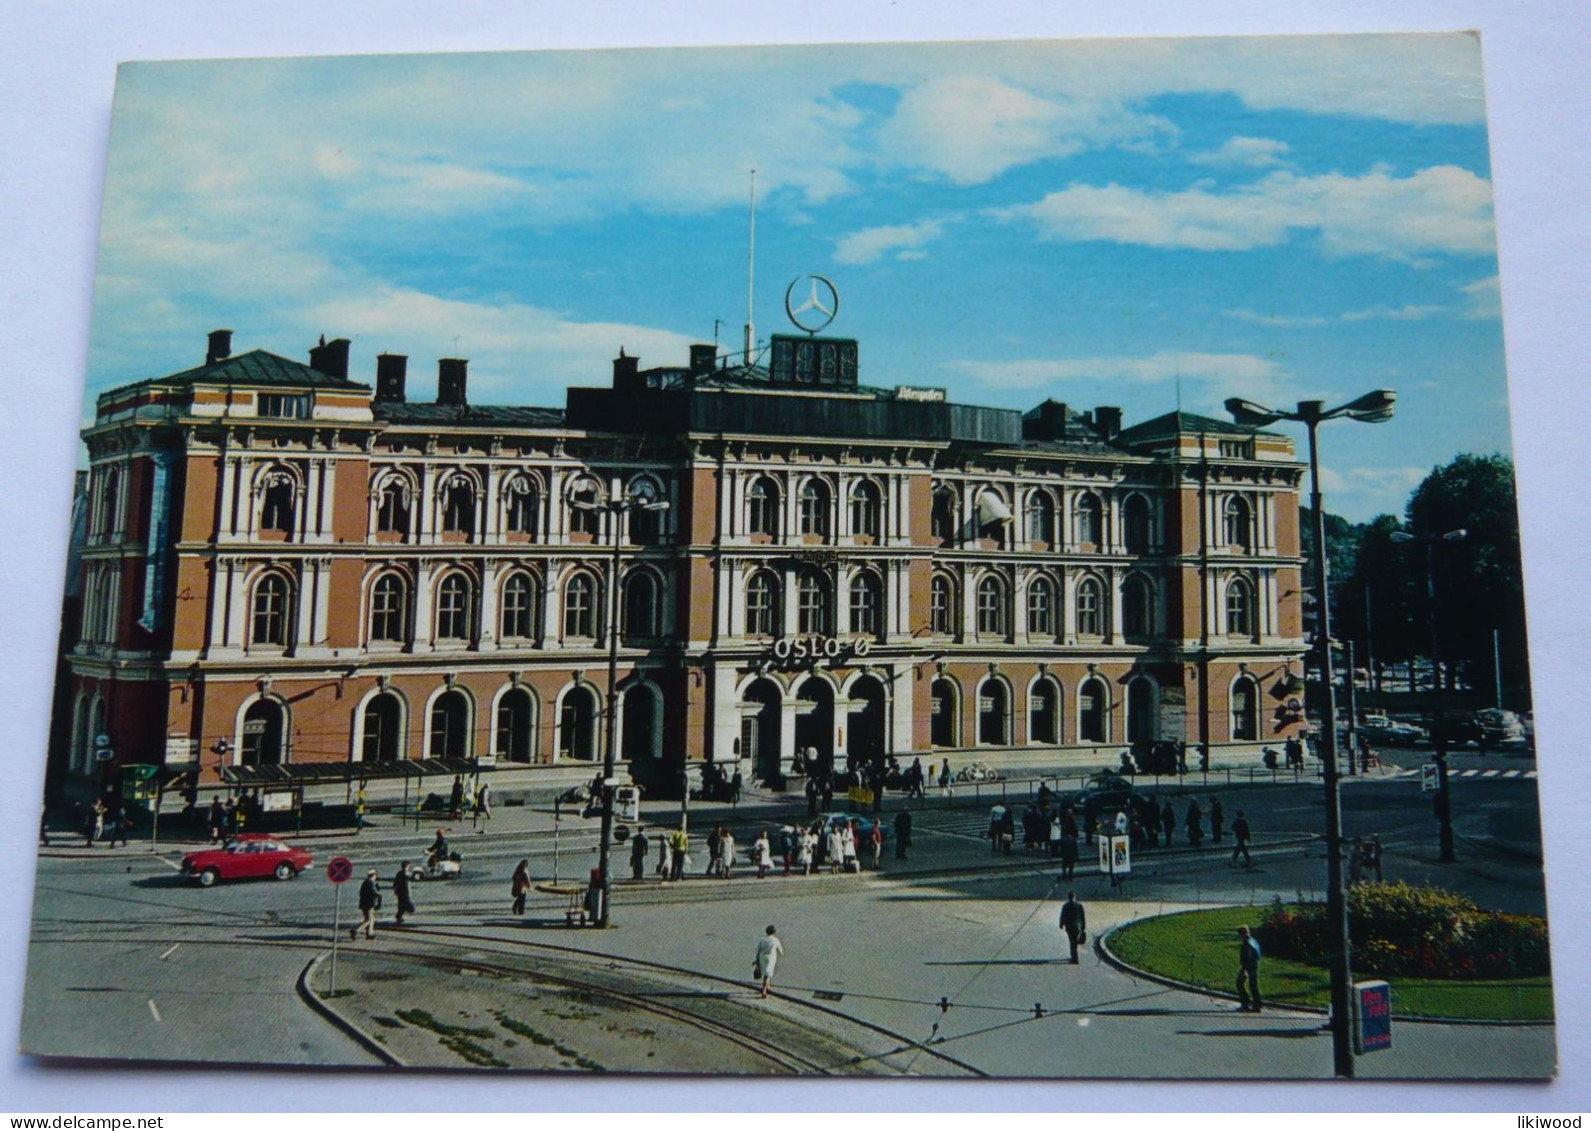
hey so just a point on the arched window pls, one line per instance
(455, 601)
(641, 605)
(1044, 713)
(994, 517)
(1041, 607)
(942, 605)
(1089, 520)
(1239, 608)
(866, 512)
(520, 605)
(812, 609)
(944, 727)
(1245, 710)
(264, 734)
(383, 729)
(942, 521)
(392, 511)
(516, 716)
(642, 734)
(994, 712)
(762, 605)
(1135, 524)
(1093, 711)
(450, 725)
(1090, 614)
(458, 509)
(1041, 517)
(1137, 608)
(272, 605)
(1236, 524)
(646, 523)
(523, 508)
(762, 509)
(991, 607)
(107, 615)
(577, 725)
(110, 502)
(389, 609)
(814, 509)
(1143, 717)
(580, 606)
(276, 506)
(585, 514)
(867, 604)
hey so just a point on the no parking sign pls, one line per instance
(339, 869)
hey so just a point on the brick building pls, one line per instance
(283, 566)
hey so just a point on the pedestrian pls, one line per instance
(1074, 921)
(812, 797)
(769, 948)
(996, 823)
(116, 822)
(217, 819)
(903, 833)
(638, 850)
(1068, 849)
(834, 848)
(359, 809)
(1007, 831)
(848, 848)
(483, 802)
(944, 780)
(1052, 835)
(1373, 856)
(714, 839)
(88, 827)
(679, 844)
(455, 800)
(231, 816)
(762, 854)
(826, 783)
(726, 853)
(1240, 833)
(735, 785)
(1216, 820)
(369, 904)
(100, 810)
(1248, 972)
(1168, 822)
(400, 892)
(1194, 820)
(665, 857)
(787, 846)
(519, 886)
(1122, 823)
(875, 842)
(1356, 861)
(806, 848)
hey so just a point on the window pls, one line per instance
(866, 512)
(579, 606)
(392, 509)
(1236, 528)
(1041, 517)
(814, 509)
(524, 508)
(458, 508)
(646, 524)
(762, 509)
(1041, 607)
(942, 606)
(1239, 608)
(942, 522)
(1093, 711)
(454, 598)
(1089, 521)
(1137, 608)
(991, 607)
(1135, 524)
(585, 515)
(383, 730)
(271, 599)
(812, 610)
(640, 605)
(1090, 620)
(942, 725)
(110, 501)
(577, 725)
(762, 605)
(1044, 713)
(389, 610)
(1245, 710)
(993, 710)
(994, 517)
(107, 615)
(866, 604)
(519, 608)
(283, 406)
(515, 717)
(1236, 449)
(264, 734)
(276, 506)
(450, 726)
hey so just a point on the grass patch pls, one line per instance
(1200, 948)
(420, 1019)
(332, 994)
(535, 1036)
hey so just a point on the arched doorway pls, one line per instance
(760, 729)
(516, 717)
(577, 725)
(264, 734)
(994, 709)
(450, 726)
(942, 728)
(865, 722)
(814, 728)
(1093, 711)
(383, 730)
(642, 736)
(1143, 722)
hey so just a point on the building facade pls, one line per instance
(285, 566)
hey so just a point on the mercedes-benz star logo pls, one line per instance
(815, 304)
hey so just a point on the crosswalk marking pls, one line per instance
(1514, 775)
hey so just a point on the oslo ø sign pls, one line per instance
(339, 869)
(816, 647)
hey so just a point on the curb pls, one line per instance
(338, 1021)
(1104, 951)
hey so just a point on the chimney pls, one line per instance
(1045, 422)
(1107, 419)
(391, 371)
(625, 370)
(704, 359)
(220, 347)
(330, 358)
(451, 375)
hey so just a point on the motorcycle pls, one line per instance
(447, 867)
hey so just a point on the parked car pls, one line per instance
(246, 856)
(1104, 791)
(823, 822)
(1500, 728)
(1390, 731)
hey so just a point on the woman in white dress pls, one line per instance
(726, 853)
(769, 948)
(848, 847)
(806, 845)
(836, 849)
(762, 853)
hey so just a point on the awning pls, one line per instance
(295, 774)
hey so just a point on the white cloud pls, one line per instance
(1442, 209)
(1358, 493)
(906, 241)
(1485, 298)
(1242, 369)
(1248, 152)
(1285, 321)
(1409, 312)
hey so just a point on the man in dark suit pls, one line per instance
(1074, 921)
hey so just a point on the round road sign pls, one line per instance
(339, 869)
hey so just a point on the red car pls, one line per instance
(246, 856)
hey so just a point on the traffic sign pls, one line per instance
(339, 870)
(1430, 778)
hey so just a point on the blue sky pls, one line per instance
(1101, 222)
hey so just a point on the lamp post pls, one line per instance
(642, 495)
(1372, 408)
(1444, 799)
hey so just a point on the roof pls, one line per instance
(1183, 423)
(302, 773)
(396, 412)
(257, 367)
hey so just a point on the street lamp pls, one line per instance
(1444, 799)
(589, 495)
(1372, 408)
